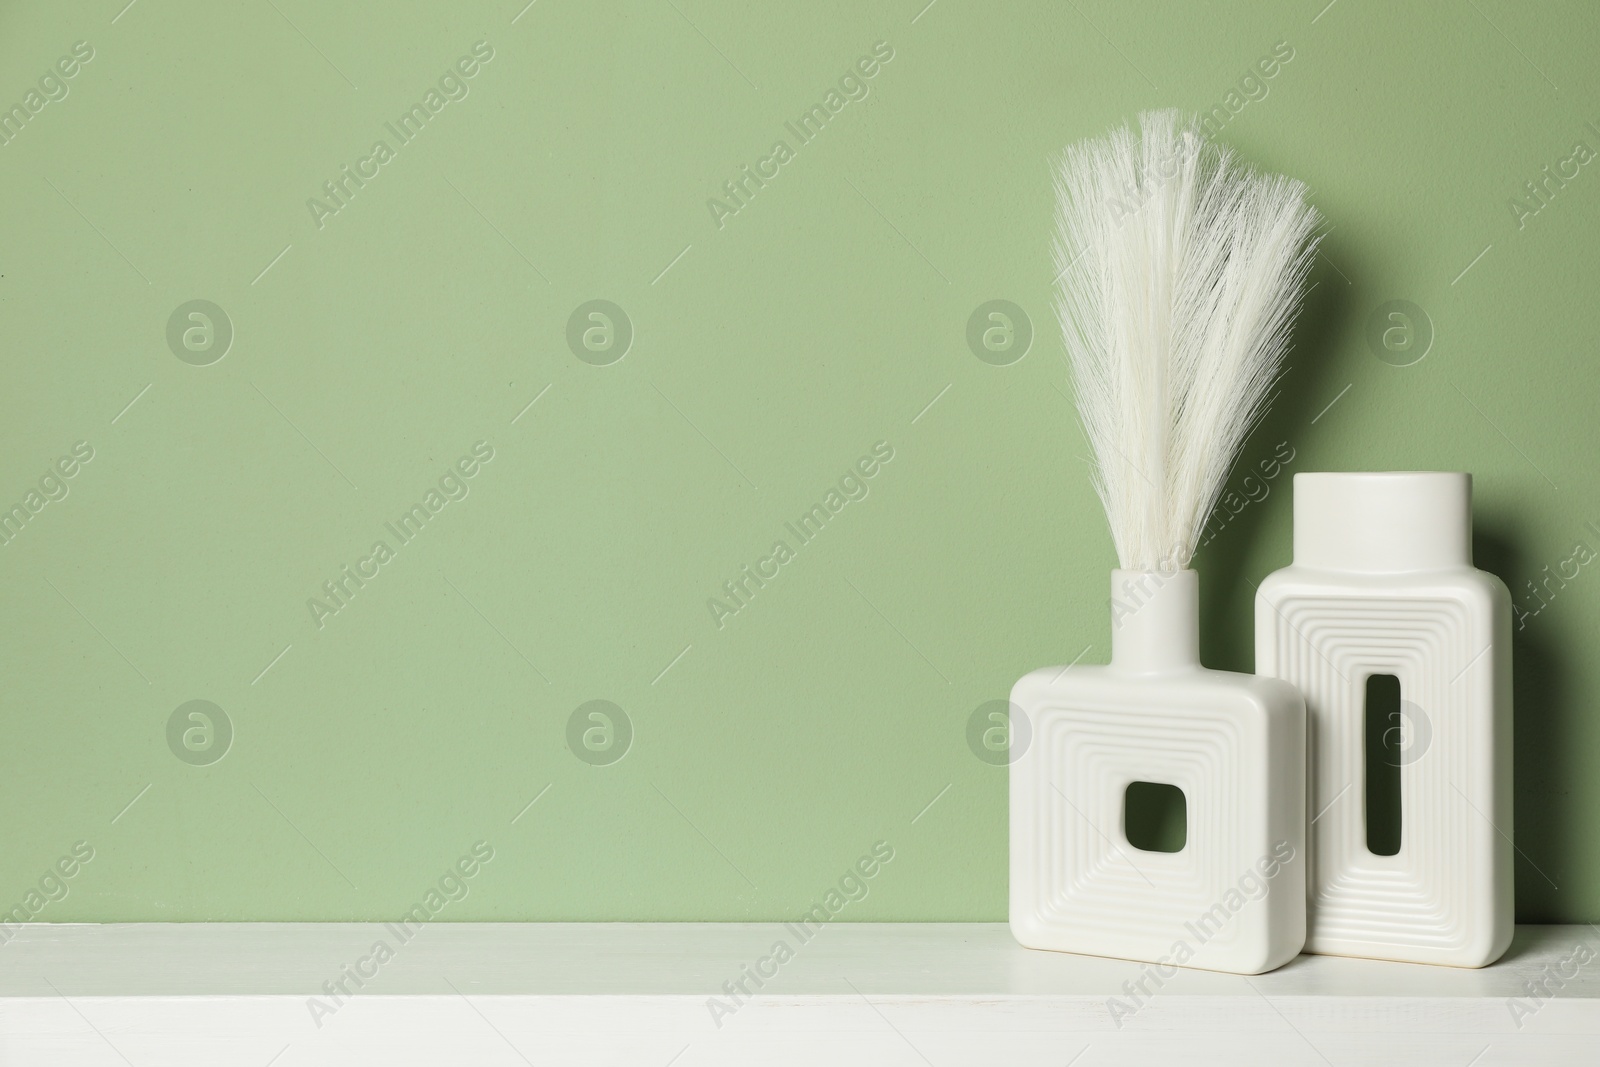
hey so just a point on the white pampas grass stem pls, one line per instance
(1179, 272)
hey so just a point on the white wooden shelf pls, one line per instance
(884, 994)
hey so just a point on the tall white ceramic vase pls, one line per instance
(1383, 584)
(1232, 898)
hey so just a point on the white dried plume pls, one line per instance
(1179, 270)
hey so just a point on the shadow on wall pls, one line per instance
(1232, 539)
(1543, 726)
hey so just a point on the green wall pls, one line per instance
(771, 347)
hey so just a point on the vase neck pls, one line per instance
(1155, 621)
(1383, 522)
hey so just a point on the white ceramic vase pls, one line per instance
(1232, 898)
(1382, 584)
